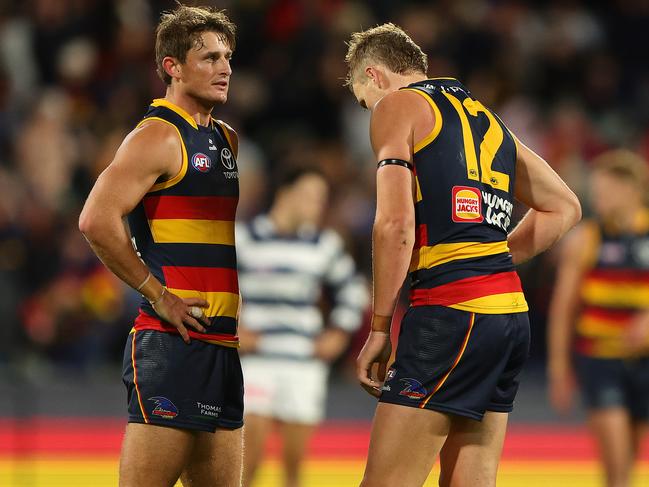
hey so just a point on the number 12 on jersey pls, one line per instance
(491, 142)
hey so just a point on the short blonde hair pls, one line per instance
(180, 30)
(386, 44)
(623, 164)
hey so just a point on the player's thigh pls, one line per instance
(295, 439)
(255, 432)
(153, 456)
(404, 444)
(471, 453)
(613, 431)
(216, 459)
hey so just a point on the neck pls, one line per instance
(284, 224)
(400, 80)
(200, 112)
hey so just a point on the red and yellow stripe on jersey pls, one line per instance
(184, 227)
(614, 289)
(464, 176)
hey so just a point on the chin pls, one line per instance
(219, 100)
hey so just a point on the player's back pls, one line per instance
(465, 171)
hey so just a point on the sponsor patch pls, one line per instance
(227, 159)
(164, 408)
(467, 205)
(201, 162)
(414, 389)
(209, 409)
(499, 210)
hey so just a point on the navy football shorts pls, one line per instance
(458, 362)
(610, 383)
(169, 383)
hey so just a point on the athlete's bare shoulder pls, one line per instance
(155, 144)
(404, 104)
(403, 114)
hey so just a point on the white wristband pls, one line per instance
(153, 303)
(146, 279)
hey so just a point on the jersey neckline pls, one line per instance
(163, 102)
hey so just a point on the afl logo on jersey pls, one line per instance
(227, 159)
(467, 205)
(201, 162)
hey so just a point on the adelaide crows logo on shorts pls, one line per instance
(414, 389)
(201, 162)
(164, 407)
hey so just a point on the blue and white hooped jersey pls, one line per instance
(282, 281)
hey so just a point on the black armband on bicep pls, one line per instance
(395, 162)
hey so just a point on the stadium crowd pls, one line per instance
(569, 77)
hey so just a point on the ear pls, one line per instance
(372, 74)
(172, 67)
(376, 76)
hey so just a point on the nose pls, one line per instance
(226, 68)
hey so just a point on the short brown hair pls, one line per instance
(180, 30)
(387, 44)
(623, 164)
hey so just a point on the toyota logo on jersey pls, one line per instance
(201, 162)
(227, 159)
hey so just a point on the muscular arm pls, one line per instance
(554, 207)
(149, 152)
(393, 235)
(562, 314)
(565, 298)
(138, 163)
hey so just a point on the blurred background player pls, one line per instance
(599, 316)
(448, 172)
(288, 267)
(175, 176)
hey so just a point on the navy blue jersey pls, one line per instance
(183, 228)
(465, 170)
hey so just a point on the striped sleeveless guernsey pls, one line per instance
(464, 173)
(183, 229)
(614, 289)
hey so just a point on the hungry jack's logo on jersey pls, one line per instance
(467, 205)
